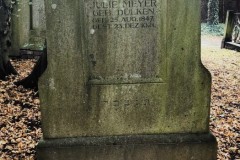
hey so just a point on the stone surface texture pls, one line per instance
(103, 80)
(38, 15)
(29, 26)
(20, 25)
(125, 81)
(141, 147)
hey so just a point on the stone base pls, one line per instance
(137, 147)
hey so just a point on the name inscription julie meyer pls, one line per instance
(115, 14)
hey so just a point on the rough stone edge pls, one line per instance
(130, 139)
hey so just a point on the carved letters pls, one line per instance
(127, 103)
(113, 14)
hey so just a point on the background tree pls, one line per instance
(5, 38)
(213, 12)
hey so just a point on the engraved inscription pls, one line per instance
(114, 14)
(127, 103)
(126, 41)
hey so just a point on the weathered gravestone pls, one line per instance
(38, 15)
(29, 25)
(125, 81)
(38, 24)
(20, 26)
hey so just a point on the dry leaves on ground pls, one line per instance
(19, 117)
(224, 66)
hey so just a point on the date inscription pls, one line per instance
(115, 14)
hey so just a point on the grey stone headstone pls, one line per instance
(38, 15)
(20, 26)
(119, 69)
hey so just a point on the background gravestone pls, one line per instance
(38, 15)
(29, 26)
(20, 26)
(125, 81)
(38, 24)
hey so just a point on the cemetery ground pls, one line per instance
(20, 118)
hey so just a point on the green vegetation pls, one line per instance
(214, 30)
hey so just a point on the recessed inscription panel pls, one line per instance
(127, 108)
(126, 49)
(126, 14)
(126, 40)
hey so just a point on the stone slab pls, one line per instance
(135, 147)
(20, 26)
(125, 67)
(38, 15)
(96, 75)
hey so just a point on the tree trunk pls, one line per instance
(213, 12)
(5, 39)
